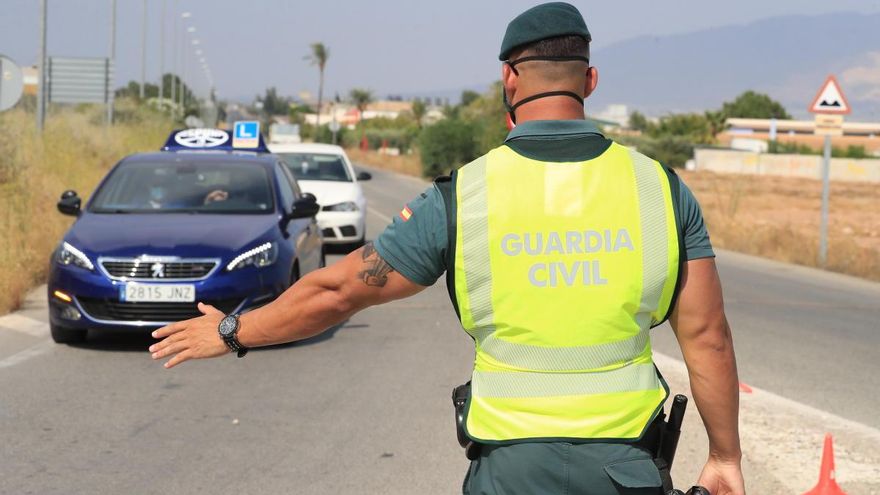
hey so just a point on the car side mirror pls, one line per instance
(305, 207)
(364, 176)
(70, 203)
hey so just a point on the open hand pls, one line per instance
(196, 338)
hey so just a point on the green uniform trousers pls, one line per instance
(563, 468)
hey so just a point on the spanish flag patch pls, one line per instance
(405, 213)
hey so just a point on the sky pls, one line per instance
(404, 47)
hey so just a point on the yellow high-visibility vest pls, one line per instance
(560, 271)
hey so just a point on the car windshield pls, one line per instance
(317, 166)
(181, 187)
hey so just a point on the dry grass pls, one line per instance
(778, 218)
(772, 217)
(404, 164)
(74, 152)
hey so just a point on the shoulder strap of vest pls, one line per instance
(446, 186)
(675, 191)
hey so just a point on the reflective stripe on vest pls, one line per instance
(561, 269)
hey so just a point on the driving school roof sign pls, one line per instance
(207, 139)
(246, 134)
(830, 99)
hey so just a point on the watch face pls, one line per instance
(228, 326)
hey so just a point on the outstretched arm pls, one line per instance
(704, 336)
(315, 303)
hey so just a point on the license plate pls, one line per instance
(158, 293)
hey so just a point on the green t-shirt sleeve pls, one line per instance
(696, 236)
(416, 248)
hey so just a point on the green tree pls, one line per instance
(297, 113)
(447, 145)
(487, 114)
(418, 110)
(274, 104)
(468, 97)
(753, 105)
(318, 57)
(716, 120)
(693, 126)
(361, 99)
(638, 122)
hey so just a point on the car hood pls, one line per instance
(331, 192)
(189, 235)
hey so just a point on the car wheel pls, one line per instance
(63, 335)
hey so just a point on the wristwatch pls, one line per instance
(228, 329)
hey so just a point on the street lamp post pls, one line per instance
(181, 53)
(112, 61)
(162, 53)
(41, 84)
(143, 49)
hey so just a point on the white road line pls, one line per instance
(381, 216)
(20, 323)
(665, 363)
(784, 436)
(23, 355)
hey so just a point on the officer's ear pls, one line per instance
(508, 77)
(591, 82)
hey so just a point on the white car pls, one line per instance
(325, 171)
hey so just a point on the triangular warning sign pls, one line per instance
(830, 99)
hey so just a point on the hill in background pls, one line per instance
(786, 57)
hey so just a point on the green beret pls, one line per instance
(547, 20)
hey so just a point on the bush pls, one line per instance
(672, 151)
(400, 133)
(447, 145)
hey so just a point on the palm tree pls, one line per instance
(361, 98)
(319, 56)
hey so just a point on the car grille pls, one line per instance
(114, 310)
(171, 270)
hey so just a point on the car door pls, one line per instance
(304, 231)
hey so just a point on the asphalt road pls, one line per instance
(365, 407)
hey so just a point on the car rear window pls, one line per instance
(317, 166)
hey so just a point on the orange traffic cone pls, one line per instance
(827, 485)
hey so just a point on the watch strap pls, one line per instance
(232, 342)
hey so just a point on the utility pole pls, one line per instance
(181, 93)
(41, 84)
(162, 53)
(174, 56)
(143, 49)
(112, 61)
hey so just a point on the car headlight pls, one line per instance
(346, 206)
(260, 256)
(69, 255)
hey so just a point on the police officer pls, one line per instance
(561, 249)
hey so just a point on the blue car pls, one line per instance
(211, 219)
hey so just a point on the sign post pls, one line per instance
(829, 106)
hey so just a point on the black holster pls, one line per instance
(661, 440)
(460, 396)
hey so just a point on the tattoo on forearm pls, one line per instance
(376, 270)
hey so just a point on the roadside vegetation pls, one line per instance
(75, 150)
(772, 217)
